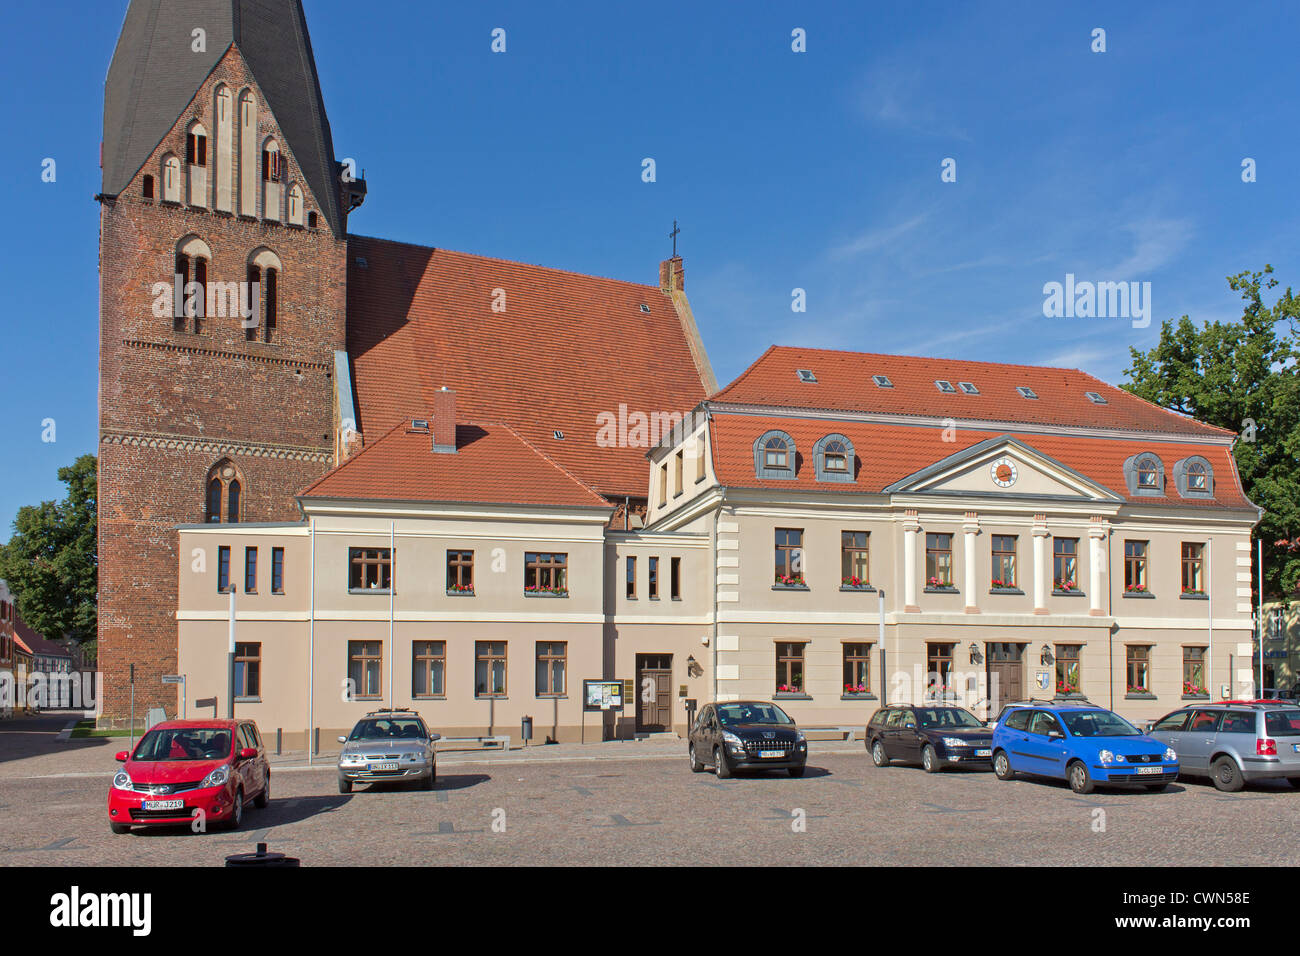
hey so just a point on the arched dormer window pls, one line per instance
(1145, 475)
(295, 205)
(1194, 477)
(225, 491)
(833, 458)
(193, 258)
(264, 269)
(171, 178)
(774, 455)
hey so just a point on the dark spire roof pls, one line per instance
(155, 74)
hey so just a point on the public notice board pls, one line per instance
(602, 694)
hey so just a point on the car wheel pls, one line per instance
(878, 755)
(119, 828)
(696, 766)
(1226, 776)
(345, 785)
(1002, 766)
(237, 812)
(264, 797)
(795, 771)
(1294, 781)
(1080, 779)
(930, 760)
(427, 783)
(720, 765)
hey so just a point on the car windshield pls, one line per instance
(935, 717)
(1098, 723)
(752, 714)
(185, 743)
(387, 728)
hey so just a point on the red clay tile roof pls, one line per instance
(34, 643)
(888, 453)
(492, 464)
(844, 383)
(567, 348)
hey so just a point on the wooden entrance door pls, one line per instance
(654, 693)
(1006, 673)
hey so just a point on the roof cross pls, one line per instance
(673, 236)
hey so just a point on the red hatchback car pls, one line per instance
(182, 767)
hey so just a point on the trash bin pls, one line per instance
(526, 730)
(261, 858)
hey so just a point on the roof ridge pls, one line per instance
(512, 262)
(364, 448)
(508, 427)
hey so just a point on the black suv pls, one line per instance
(934, 735)
(746, 735)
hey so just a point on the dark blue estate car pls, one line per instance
(1082, 744)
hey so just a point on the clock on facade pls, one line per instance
(1004, 472)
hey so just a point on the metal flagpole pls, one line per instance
(392, 605)
(230, 657)
(1209, 664)
(1259, 612)
(311, 645)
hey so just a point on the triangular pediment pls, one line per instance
(1002, 466)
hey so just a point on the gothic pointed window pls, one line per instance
(265, 269)
(196, 146)
(193, 257)
(225, 491)
(272, 177)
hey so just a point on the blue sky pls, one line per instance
(816, 170)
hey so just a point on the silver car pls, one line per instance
(1234, 743)
(388, 745)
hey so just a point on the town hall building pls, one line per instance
(421, 478)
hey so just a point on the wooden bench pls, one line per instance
(499, 741)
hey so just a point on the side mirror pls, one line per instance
(123, 756)
(1055, 735)
(343, 740)
(433, 737)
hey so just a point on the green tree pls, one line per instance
(51, 562)
(1242, 376)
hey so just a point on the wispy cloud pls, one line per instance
(894, 94)
(1156, 242)
(878, 238)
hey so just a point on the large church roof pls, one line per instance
(559, 352)
(155, 74)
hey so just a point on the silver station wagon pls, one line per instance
(1234, 743)
(388, 746)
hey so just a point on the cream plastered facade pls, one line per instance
(900, 617)
(717, 633)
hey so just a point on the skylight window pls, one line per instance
(362, 263)
(1026, 392)
(882, 381)
(806, 376)
(558, 434)
(1096, 398)
(645, 308)
(968, 387)
(945, 386)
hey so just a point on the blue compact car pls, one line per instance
(1083, 744)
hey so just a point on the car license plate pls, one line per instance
(983, 753)
(164, 804)
(771, 753)
(1151, 769)
(383, 766)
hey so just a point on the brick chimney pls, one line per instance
(672, 277)
(444, 420)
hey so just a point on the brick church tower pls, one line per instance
(223, 251)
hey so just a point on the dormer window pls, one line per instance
(833, 458)
(1026, 392)
(945, 387)
(968, 387)
(806, 375)
(1145, 475)
(882, 381)
(1194, 478)
(774, 455)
